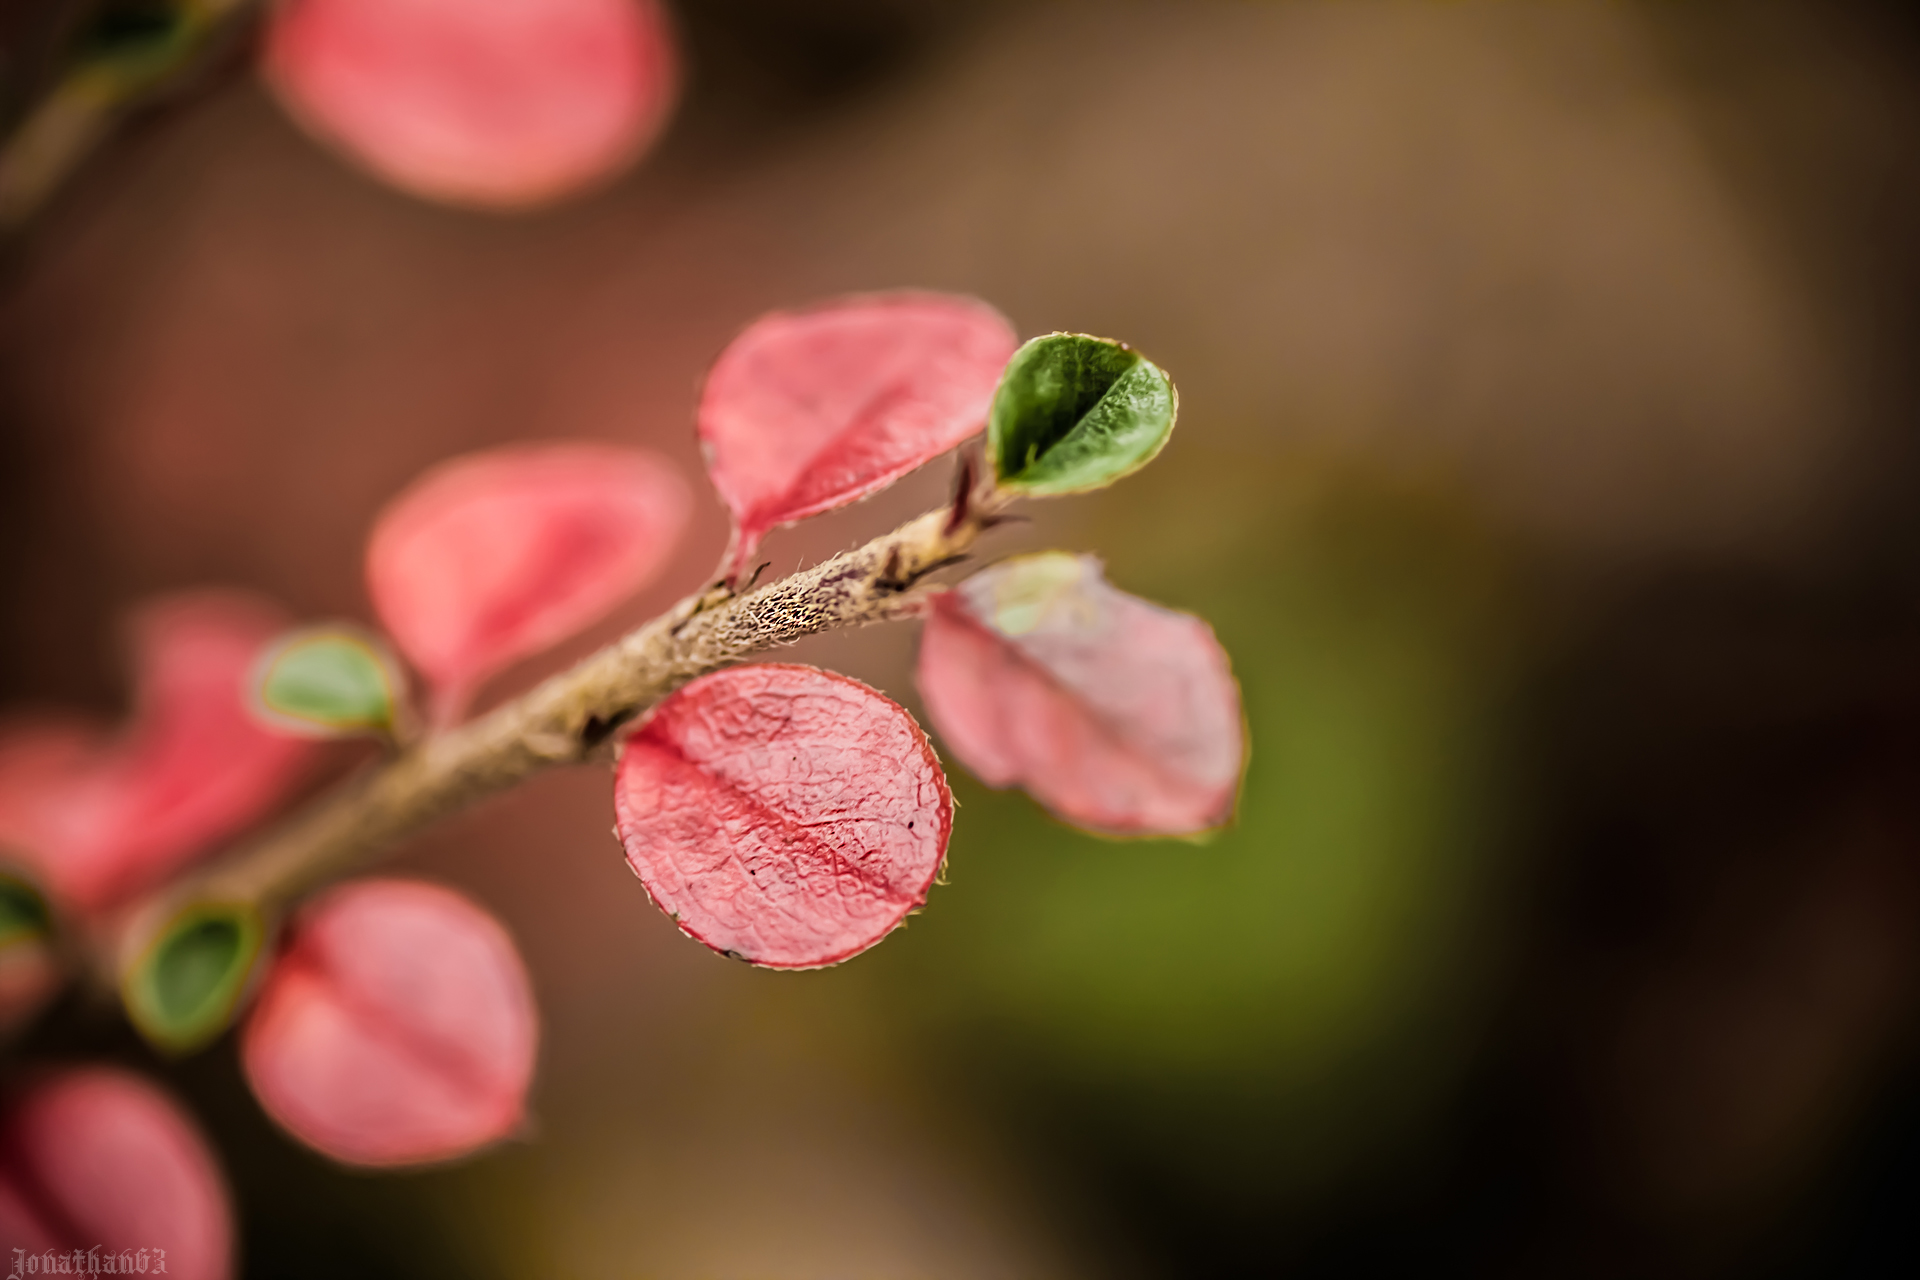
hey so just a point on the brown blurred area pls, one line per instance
(1575, 336)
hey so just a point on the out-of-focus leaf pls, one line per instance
(783, 815)
(329, 682)
(493, 557)
(52, 771)
(182, 992)
(809, 410)
(397, 1027)
(99, 818)
(23, 913)
(29, 973)
(1075, 413)
(1116, 714)
(99, 1158)
(494, 103)
(116, 56)
(198, 768)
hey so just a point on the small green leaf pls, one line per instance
(23, 912)
(1075, 413)
(183, 992)
(329, 681)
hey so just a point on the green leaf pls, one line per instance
(1075, 413)
(329, 681)
(23, 912)
(183, 992)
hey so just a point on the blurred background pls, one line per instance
(1547, 463)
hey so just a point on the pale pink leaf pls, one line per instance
(1116, 714)
(809, 410)
(96, 1157)
(494, 556)
(99, 818)
(397, 1026)
(492, 103)
(783, 815)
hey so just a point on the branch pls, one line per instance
(571, 716)
(100, 88)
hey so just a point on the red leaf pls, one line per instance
(100, 819)
(784, 815)
(493, 557)
(98, 1157)
(502, 103)
(810, 410)
(1114, 713)
(397, 1027)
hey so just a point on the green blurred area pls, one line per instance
(1263, 1009)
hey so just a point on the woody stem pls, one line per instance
(568, 718)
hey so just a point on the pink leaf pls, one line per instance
(493, 557)
(500, 103)
(1114, 713)
(98, 819)
(48, 768)
(784, 815)
(396, 1027)
(98, 1157)
(810, 410)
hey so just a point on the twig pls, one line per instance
(565, 720)
(99, 90)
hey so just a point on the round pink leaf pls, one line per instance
(98, 1158)
(494, 103)
(783, 815)
(810, 410)
(1114, 713)
(100, 818)
(495, 556)
(397, 1027)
